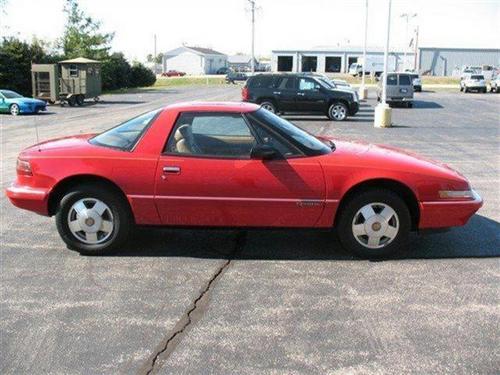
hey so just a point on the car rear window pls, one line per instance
(392, 80)
(404, 80)
(126, 135)
(477, 77)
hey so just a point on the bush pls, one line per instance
(141, 76)
(116, 72)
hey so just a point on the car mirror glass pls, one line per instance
(264, 152)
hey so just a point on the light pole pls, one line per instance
(383, 112)
(252, 62)
(408, 17)
(363, 91)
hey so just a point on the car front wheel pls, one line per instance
(374, 224)
(337, 112)
(92, 220)
(14, 110)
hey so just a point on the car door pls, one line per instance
(205, 177)
(405, 86)
(285, 93)
(310, 98)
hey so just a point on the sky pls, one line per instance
(225, 25)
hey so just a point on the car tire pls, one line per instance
(80, 100)
(91, 230)
(267, 104)
(362, 229)
(409, 105)
(14, 109)
(338, 112)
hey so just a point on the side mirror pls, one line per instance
(263, 152)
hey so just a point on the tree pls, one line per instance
(16, 57)
(82, 36)
(115, 72)
(141, 76)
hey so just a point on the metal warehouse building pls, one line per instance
(434, 61)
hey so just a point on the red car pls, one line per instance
(234, 165)
(173, 73)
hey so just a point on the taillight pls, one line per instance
(244, 93)
(23, 167)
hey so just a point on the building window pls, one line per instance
(73, 70)
(333, 64)
(351, 60)
(285, 63)
(309, 63)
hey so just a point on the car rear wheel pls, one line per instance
(269, 106)
(92, 220)
(14, 110)
(374, 224)
(337, 112)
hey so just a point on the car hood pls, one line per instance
(27, 101)
(368, 155)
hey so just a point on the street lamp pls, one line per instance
(408, 17)
(383, 112)
(363, 91)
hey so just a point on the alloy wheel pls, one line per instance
(375, 225)
(90, 221)
(338, 112)
(14, 110)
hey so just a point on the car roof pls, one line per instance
(238, 107)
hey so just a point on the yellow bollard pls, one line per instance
(383, 116)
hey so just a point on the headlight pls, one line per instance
(456, 194)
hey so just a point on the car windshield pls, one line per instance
(327, 83)
(297, 135)
(477, 77)
(10, 94)
(125, 135)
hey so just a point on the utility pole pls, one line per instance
(415, 61)
(363, 91)
(407, 16)
(252, 62)
(154, 55)
(383, 112)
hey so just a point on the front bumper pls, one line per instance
(29, 198)
(444, 214)
(28, 108)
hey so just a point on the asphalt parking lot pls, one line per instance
(279, 302)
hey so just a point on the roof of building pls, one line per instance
(80, 60)
(239, 59)
(197, 50)
(205, 51)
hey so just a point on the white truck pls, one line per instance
(374, 65)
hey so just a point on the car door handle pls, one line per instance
(300, 93)
(172, 169)
(277, 92)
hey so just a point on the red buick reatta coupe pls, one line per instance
(235, 165)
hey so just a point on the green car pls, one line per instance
(15, 104)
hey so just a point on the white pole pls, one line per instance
(364, 46)
(406, 41)
(386, 55)
(252, 62)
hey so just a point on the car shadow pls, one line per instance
(479, 238)
(424, 104)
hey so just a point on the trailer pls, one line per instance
(69, 81)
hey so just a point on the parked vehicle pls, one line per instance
(416, 81)
(173, 73)
(300, 93)
(374, 65)
(399, 89)
(15, 104)
(232, 77)
(495, 84)
(223, 70)
(69, 81)
(340, 83)
(473, 82)
(234, 165)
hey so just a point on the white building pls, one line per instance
(241, 63)
(194, 60)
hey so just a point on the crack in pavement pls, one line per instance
(194, 314)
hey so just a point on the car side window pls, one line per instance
(392, 80)
(404, 80)
(286, 83)
(307, 84)
(211, 134)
